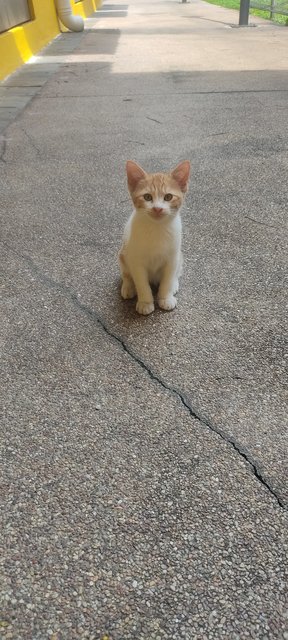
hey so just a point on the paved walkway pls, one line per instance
(145, 491)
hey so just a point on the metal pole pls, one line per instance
(272, 7)
(244, 13)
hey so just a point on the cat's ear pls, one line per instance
(134, 174)
(181, 174)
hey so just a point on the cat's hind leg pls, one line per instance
(177, 275)
(175, 287)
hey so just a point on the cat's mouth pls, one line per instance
(157, 215)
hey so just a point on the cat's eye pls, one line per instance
(168, 196)
(148, 197)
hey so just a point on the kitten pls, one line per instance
(151, 250)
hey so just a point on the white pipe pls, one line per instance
(71, 22)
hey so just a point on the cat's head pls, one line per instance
(158, 194)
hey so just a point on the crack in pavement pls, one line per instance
(155, 94)
(194, 413)
(153, 120)
(265, 224)
(29, 137)
(4, 149)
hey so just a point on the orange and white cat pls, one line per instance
(151, 250)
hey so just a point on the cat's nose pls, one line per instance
(158, 209)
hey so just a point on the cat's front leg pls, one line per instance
(145, 303)
(128, 290)
(168, 287)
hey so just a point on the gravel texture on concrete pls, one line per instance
(143, 464)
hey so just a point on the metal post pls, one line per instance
(244, 13)
(272, 7)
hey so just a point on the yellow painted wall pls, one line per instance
(85, 8)
(20, 43)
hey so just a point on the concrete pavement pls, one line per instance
(144, 479)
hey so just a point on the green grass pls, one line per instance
(235, 4)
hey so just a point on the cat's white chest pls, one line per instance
(152, 245)
(153, 242)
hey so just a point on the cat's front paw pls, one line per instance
(128, 290)
(167, 303)
(144, 307)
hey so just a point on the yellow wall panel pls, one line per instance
(84, 8)
(18, 44)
